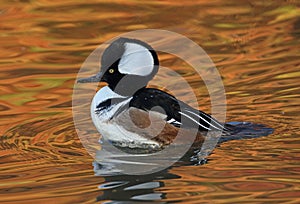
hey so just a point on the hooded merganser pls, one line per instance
(130, 115)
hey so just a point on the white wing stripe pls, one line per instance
(176, 122)
(172, 120)
(217, 122)
(203, 119)
(192, 119)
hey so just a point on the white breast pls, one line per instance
(109, 128)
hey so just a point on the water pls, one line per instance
(255, 46)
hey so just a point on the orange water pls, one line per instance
(255, 46)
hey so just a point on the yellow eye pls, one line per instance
(111, 71)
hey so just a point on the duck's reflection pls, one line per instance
(138, 188)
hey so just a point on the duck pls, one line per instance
(129, 114)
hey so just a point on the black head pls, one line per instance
(126, 65)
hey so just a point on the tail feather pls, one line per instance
(244, 130)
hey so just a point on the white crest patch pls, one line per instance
(136, 60)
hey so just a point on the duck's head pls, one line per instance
(126, 65)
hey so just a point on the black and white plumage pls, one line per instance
(127, 113)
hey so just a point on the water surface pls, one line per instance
(255, 46)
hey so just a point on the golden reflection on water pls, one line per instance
(254, 44)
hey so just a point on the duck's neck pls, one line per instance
(128, 86)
